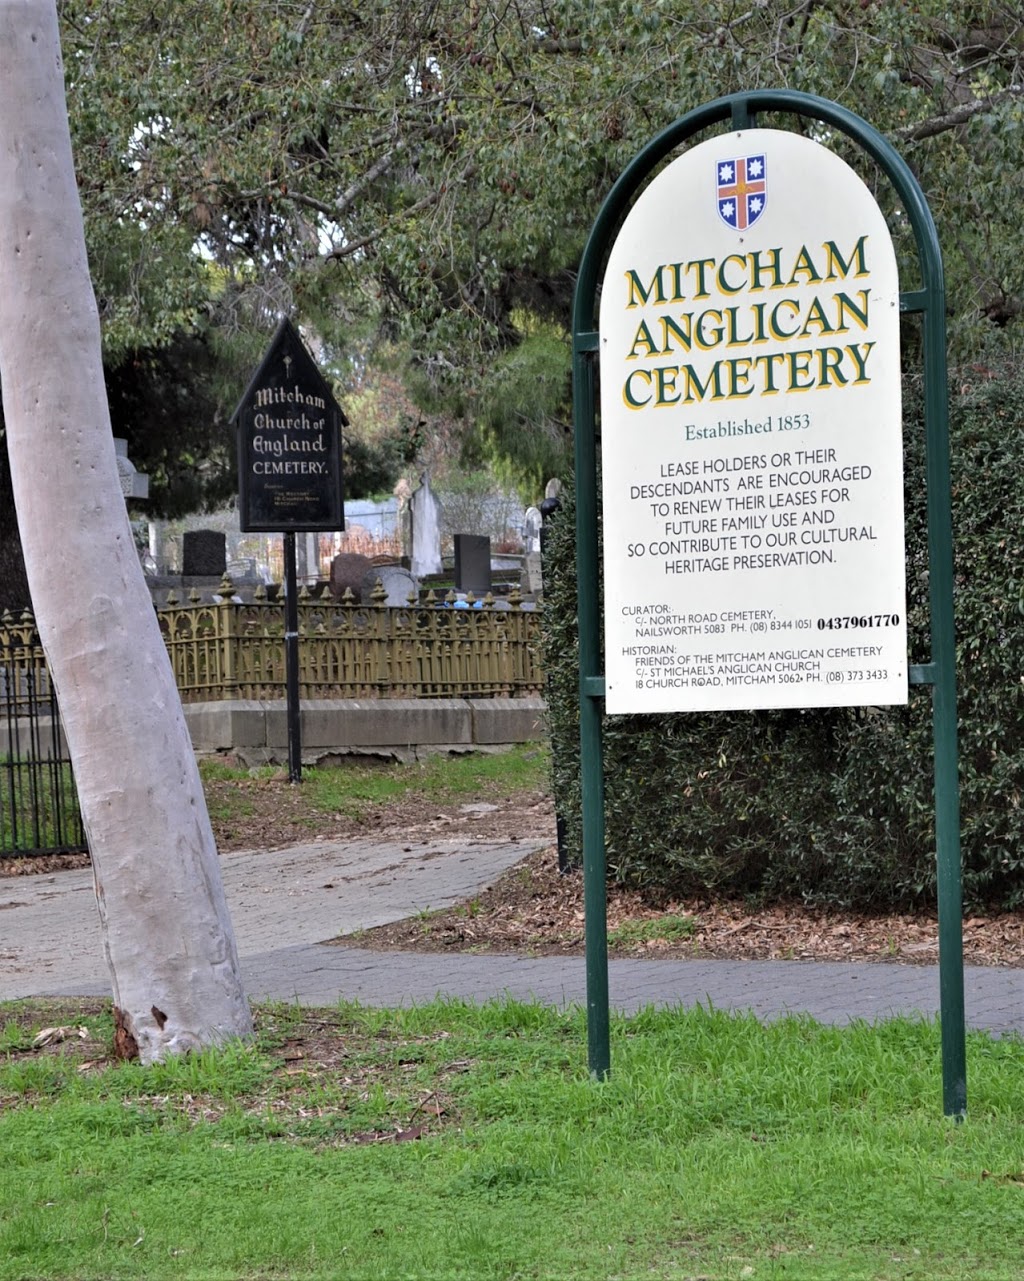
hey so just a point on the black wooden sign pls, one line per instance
(289, 443)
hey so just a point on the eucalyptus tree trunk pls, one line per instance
(164, 921)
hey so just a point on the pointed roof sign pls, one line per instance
(289, 443)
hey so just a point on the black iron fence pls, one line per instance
(39, 811)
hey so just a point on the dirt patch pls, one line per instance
(322, 1070)
(268, 813)
(280, 816)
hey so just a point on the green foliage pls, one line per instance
(172, 402)
(429, 172)
(151, 287)
(835, 805)
(371, 467)
(13, 1036)
(522, 414)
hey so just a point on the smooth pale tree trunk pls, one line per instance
(164, 921)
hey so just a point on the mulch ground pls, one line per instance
(535, 909)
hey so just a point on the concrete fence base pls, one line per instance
(400, 728)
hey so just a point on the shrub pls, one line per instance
(833, 805)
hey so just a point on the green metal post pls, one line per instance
(591, 691)
(944, 715)
(940, 673)
(951, 948)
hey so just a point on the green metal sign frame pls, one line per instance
(741, 110)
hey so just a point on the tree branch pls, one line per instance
(571, 44)
(375, 171)
(304, 21)
(364, 242)
(953, 119)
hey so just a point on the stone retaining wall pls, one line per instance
(402, 728)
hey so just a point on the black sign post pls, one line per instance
(289, 477)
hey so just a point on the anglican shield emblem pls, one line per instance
(742, 191)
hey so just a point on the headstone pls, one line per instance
(473, 563)
(531, 530)
(134, 483)
(307, 557)
(203, 553)
(426, 532)
(243, 572)
(349, 570)
(396, 581)
(533, 582)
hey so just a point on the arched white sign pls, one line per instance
(751, 437)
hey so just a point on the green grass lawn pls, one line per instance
(357, 786)
(435, 778)
(453, 1141)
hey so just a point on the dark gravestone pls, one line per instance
(348, 570)
(473, 563)
(203, 553)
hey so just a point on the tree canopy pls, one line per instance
(426, 171)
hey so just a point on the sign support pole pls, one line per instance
(741, 110)
(291, 660)
(944, 714)
(591, 709)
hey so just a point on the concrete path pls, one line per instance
(49, 929)
(285, 903)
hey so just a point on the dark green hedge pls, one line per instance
(833, 805)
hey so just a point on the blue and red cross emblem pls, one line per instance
(742, 191)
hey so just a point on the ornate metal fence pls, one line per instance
(429, 649)
(230, 649)
(39, 811)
